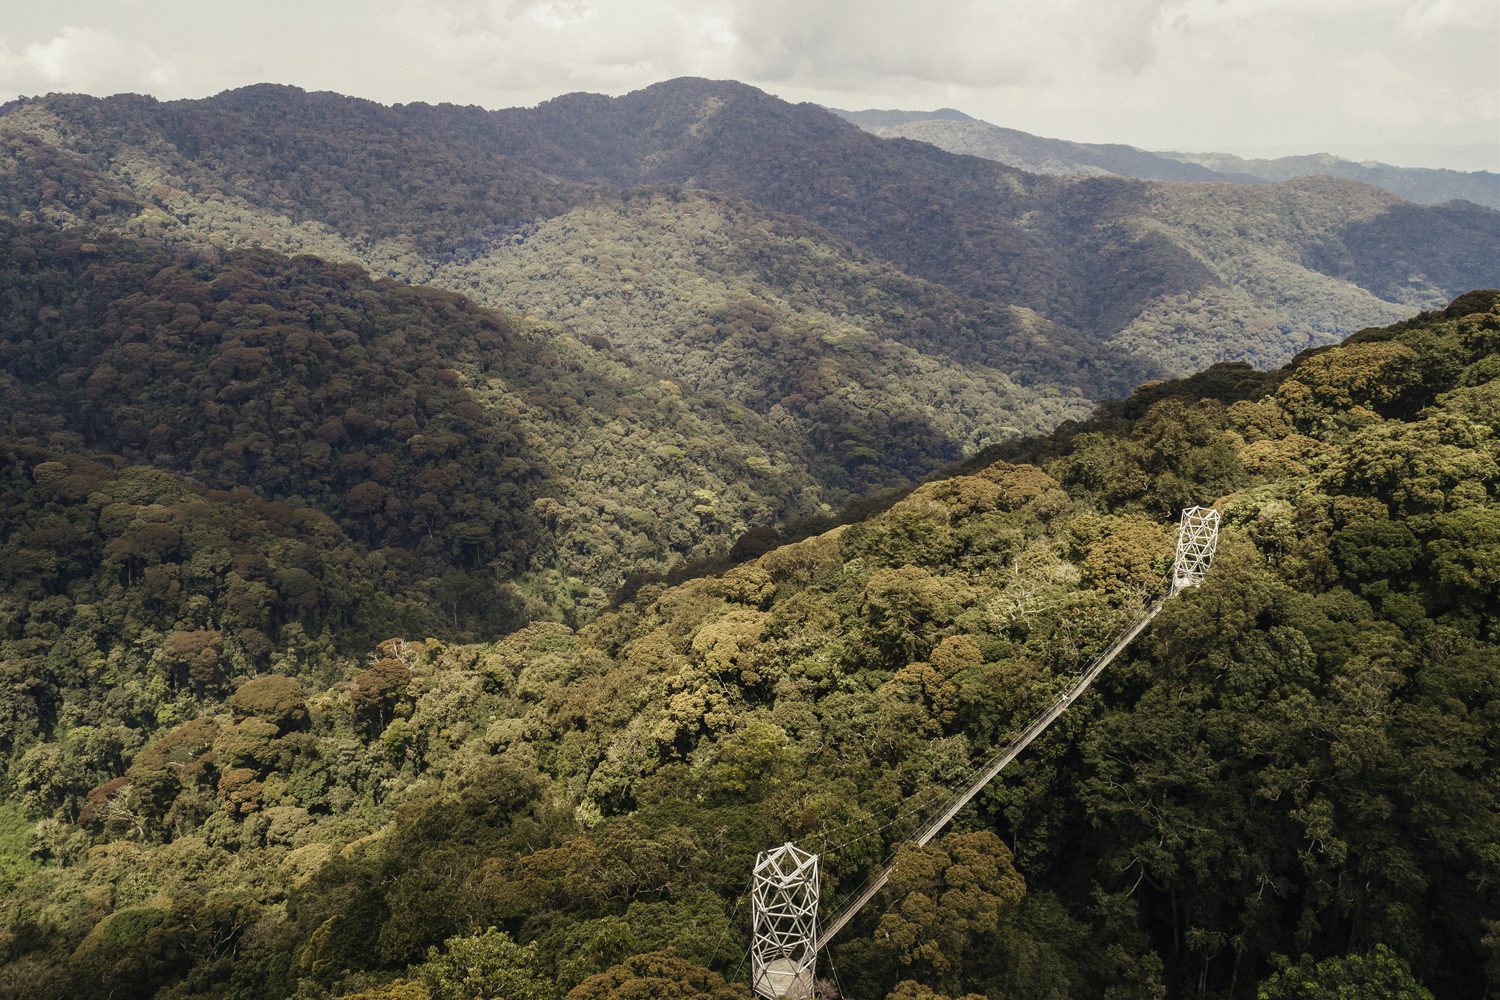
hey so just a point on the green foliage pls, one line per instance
(1378, 974)
(573, 810)
(15, 842)
(294, 377)
(277, 700)
(488, 966)
(911, 990)
(400, 989)
(657, 976)
(948, 897)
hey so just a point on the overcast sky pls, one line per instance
(1416, 80)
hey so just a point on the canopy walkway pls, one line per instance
(787, 934)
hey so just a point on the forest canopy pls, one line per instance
(1286, 788)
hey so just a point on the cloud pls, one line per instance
(969, 43)
(1445, 15)
(546, 47)
(89, 60)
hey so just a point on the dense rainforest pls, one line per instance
(465, 452)
(440, 547)
(1286, 789)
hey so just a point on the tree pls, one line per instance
(949, 899)
(1438, 463)
(1128, 559)
(909, 989)
(47, 777)
(377, 689)
(1368, 376)
(192, 658)
(903, 610)
(657, 976)
(1466, 552)
(1380, 974)
(750, 759)
(400, 989)
(487, 966)
(275, 699)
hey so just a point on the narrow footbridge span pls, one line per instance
(787, 934)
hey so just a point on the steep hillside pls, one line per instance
(295, 378)
(1288, 784)
(959, 133)
(131, 597)
(768, 313)
(1250, 237)
(473, 451)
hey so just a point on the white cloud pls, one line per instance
(1433, 16)
(970, 43)
(540, 49)
(86, 59)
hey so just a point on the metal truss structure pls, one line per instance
(784, 898)
(1197, 537)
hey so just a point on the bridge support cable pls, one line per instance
(1011, 751)
(784, 950)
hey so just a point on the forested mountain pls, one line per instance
(1288, 785)
(459, 441)
(1424, 185)
(959, 133)
(409, 189)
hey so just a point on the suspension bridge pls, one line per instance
(786, 932)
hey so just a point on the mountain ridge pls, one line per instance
(862, 193)
(1026, 151)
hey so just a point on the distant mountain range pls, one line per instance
(959, 133)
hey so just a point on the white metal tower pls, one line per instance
(783, 950)
(1197, 537)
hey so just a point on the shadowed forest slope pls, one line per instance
(444, 435)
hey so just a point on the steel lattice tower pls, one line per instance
(1197, 537)
(783, 950)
